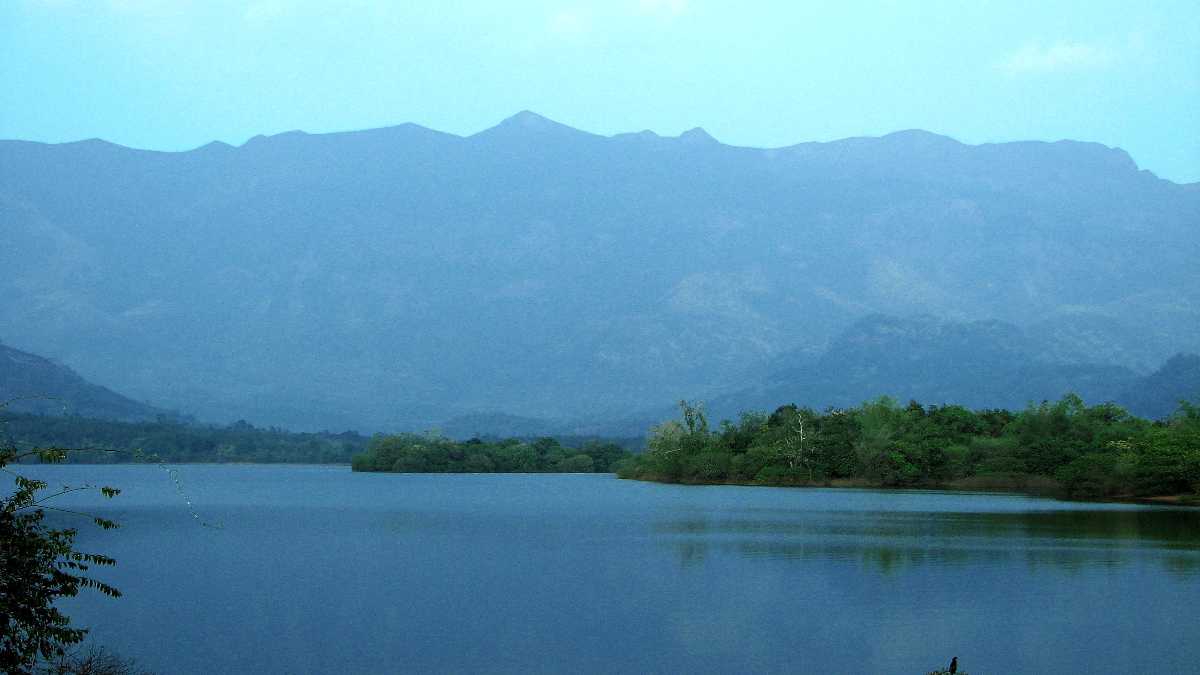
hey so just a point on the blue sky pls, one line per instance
(175, 74)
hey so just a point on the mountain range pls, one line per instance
(395, 278)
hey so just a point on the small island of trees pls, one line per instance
(412, 453)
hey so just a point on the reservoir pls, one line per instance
(315, 569)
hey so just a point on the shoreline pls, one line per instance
(1045, 490)
(1033, 486)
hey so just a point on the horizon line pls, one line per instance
(528, 117)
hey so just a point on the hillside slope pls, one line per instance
(34, 384)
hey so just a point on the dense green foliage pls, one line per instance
(173, 441)
(409, 453)
(1087, 452)
(39, 565)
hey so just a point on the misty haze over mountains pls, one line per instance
(394, 278)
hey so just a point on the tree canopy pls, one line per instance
(1083, 451)
(412, 453)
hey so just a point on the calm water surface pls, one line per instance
(319, 570)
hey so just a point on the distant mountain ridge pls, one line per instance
(980, 365)
(1159, 393)
(394, 278)
(31, 383)
(984, 364)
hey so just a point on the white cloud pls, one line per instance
(1059, 57)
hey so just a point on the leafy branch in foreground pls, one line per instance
(91, 661)
(39, 565)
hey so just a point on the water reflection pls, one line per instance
(1183, 566)
(890, 541)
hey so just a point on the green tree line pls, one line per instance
(168, 440)
(1079, 451)
(411, 453)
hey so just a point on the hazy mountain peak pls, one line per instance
(920, 137)
(528, 123)
(644, 134)
(259, 139)
(919, 134)
(89, 143)
(213, 146)
(527, 118)
(1105, 155)
(697, 135)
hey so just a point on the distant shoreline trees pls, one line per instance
(169, 440)
(412, 453)
(1066, 447)
(1063, 447)
(166, 440)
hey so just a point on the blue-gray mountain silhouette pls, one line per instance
(981, 364)
(33, 384)
(396, 277)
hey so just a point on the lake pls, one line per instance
(315, 569)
